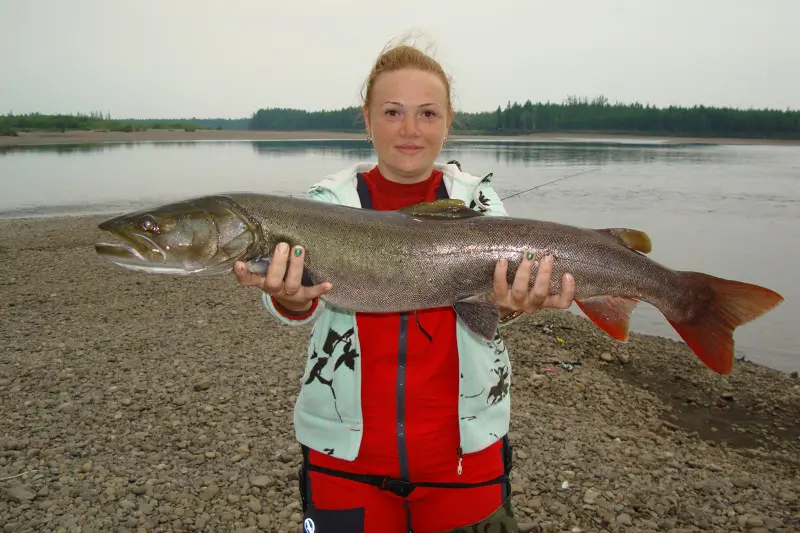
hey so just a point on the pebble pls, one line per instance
(202, 385)
(163, 411)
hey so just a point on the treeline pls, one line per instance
(574, 115)
(11, 124)
(280, 119)
(199, 123)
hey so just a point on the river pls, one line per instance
(731, 211)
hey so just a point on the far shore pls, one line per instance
(76, 137)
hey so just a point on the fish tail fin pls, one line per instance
(726, 305)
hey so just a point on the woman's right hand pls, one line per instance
(289, 292)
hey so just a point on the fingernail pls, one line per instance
(297, 251)
(530, 256)
(282, 247)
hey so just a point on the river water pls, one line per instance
(730, 211)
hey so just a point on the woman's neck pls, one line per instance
(403, 177)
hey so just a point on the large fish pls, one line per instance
(437, 254)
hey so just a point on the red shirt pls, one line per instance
(431, 379)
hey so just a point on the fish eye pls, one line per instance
(149, 224)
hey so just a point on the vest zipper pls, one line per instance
(460, 453)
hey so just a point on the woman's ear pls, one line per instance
(365, 113)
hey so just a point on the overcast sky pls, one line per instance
(202, 58)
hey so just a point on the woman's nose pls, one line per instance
(409, 126)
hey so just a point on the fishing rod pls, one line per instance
(549, 182)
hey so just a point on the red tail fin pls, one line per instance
(710, 332)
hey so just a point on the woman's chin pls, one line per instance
(411, 165)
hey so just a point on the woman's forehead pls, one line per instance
(409, 86)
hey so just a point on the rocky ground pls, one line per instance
(144, 403)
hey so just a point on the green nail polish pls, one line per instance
(298, 251)
(530, 256)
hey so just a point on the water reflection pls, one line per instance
(63, 148)
(515, 152)
(348, 149)
(528, 154)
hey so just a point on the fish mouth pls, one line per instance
(134, 250)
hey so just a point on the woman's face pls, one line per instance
(408, 120)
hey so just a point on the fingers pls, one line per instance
(317, 290)
(500, 283)
(564, 300)
(273, 282)
(246, 277)
(289, 290)
(294, 277)
(541, 285)
(519, 287)
(521, 296)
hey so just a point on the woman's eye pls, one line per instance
(391, 113)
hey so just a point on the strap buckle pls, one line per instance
(399, 487)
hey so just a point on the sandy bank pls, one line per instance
(214, 135)
(137, 402)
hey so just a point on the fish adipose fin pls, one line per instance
(612, 314)
(479, 316)
(709, 333)
(633, 239)
(447, 209)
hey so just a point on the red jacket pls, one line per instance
(431, 380)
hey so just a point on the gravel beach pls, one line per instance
(134, 402)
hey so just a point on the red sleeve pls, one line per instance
(284, 312)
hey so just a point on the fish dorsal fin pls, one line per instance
(631, 238)
(441, 209)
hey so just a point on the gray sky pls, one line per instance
(183, 58)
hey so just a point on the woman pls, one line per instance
(403, 417)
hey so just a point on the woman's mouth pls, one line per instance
(409, 148)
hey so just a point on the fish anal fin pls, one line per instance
(480, 316)
(631, 238)
(612, 314)
(441, 209)
(709, 331)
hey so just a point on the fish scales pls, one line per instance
(390, 261)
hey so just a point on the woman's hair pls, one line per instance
(403, 56)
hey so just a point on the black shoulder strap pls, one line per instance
(441, 194)
(363, 192)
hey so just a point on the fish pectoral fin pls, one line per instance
(636, 240)
(479, 316)
(259, 265)
(441, 209)
(612, 314)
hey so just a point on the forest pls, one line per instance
(98, 121)
(573, 115)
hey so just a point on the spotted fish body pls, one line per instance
(400, 261)
(444, 254)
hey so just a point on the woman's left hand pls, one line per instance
(519, 298)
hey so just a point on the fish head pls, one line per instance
(204, 235)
